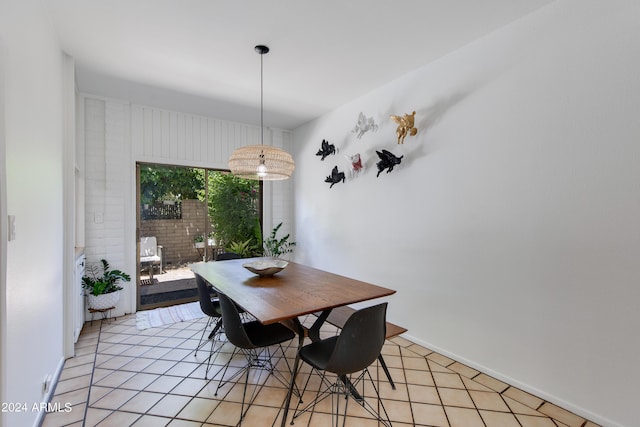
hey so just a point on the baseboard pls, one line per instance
(52, 389)
(604, 422)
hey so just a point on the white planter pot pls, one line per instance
(200, 245)
(104, 301)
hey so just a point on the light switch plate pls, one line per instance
(12, 227)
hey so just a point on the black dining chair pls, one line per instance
(347, 355)
(253, 340)
(210, 306)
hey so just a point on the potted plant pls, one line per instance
(101, 285)
(198, 241)
(245, 249)
(277, 247)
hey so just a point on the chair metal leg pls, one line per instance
(262, 360)
(351, 389)
(344, 388)
(320, 396)
(213, 352)
(200, 344)
(224, 371)
(212, 337)
(244, 394)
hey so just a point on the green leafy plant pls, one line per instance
(100, 279)
(200, 237)
(233, 207)
(160, 182)
(276, 247)
(244, 249)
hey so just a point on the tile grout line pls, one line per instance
(95, 357)
(501, 393)
(191, 398)
(507, 405)
(413, 416)
(446, 416)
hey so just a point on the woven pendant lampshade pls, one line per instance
(261, 162)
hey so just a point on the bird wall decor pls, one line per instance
(364, 125)
(356, 164)
(335, 177)
(387, 161)
(405, 126)
(326, 149)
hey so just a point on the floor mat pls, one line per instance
(168, 315)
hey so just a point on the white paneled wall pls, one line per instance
(161, 136)
(280, 193)
(117, 180)
(170, 137)
(117, 134)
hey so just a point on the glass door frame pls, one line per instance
(207, 224)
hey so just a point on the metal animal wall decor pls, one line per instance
(364, 125)
(356, 164)
(335, 177)
(405, 126)
(387, 161)
(326, 149)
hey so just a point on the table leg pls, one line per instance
(314, 331)
(386, 371)
(296, 364)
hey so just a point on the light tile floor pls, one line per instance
(124, 377)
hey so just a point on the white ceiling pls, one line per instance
(198, 55)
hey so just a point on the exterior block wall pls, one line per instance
(176, 236)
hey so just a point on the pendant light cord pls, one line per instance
(257, 161)
(261, 99)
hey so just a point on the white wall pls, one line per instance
(3, 227)
(32, 315)
(510, 230)
(117, 134)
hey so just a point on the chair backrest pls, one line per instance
(204, 294)
(360, 340)
(148, 246)
(225, 256)
(233, 326)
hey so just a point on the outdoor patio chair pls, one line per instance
(150, 254)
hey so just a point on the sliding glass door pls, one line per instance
(187, 215)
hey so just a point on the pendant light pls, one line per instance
(261, 162)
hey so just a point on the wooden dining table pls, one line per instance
(296, 291)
